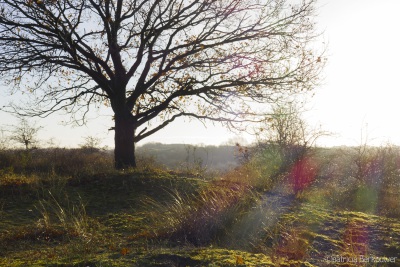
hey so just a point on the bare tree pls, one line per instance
(287, 129)
(3, 140)
(288, 136)
(153, 61)
(25, 133)
(91, 143)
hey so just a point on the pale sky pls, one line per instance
(360, 90)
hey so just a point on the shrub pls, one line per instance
(260, 167)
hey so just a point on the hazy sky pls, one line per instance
(360, 90)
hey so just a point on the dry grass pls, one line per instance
(203, 217)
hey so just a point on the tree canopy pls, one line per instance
(153, 61)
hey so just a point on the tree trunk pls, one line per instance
(124, 152)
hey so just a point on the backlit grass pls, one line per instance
(155, 217)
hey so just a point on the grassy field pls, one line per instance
(70, 208)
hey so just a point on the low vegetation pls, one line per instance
(329, 207)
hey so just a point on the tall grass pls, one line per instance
(71, 162)
(67, 221)
(71, 217)
(204, 217)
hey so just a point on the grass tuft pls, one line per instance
(204, 217)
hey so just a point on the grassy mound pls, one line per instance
(156, 217)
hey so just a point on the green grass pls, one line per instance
(103, 222)
(154, 217)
